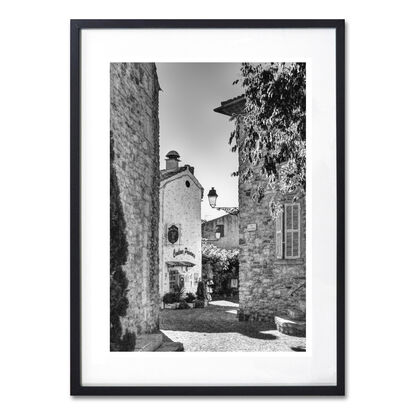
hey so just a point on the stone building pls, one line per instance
(272, 258)
(135, 136)
(180, 231)
(222, 232)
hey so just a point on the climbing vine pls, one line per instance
(118, 257)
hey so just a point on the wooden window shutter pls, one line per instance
(278, 237)
(292, 230)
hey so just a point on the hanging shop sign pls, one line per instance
(184, 251)
(173, 234)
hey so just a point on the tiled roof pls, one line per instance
(165, 174)
(228, 101)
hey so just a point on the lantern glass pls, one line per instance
(212, 196)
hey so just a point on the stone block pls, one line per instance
(148, 342)
(296, 314)
(171, 347)
(290, 327)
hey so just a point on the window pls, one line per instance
(187, 183)
(288, 232)
(220, 231)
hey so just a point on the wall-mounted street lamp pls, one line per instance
(212, 197)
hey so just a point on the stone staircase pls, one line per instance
(293, 323)
(290, 327)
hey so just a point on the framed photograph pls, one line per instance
(207, 207)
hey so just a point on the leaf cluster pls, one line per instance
(270, 134)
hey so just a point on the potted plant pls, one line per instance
(183, 305)
(190, 299)
(171, 301)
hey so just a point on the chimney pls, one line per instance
(172, 160)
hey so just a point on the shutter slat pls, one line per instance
(289, 244)
(292, 230)
(288, 217)
(296, 215)
(278, 236)
(295, 244)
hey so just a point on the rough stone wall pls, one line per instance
(267, 286)
(231, 230)
(135, 131)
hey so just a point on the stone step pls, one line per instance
(290, 327)
(148, 342)
(171, 347)
(296, 314)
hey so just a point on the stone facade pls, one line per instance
(226, 227)
(180, 207)
(270, 282)
(135, 131)
(269, 286)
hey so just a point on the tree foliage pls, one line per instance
(224, 258)
(224, 264)
(270, 134)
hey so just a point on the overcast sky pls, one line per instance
(190, 92)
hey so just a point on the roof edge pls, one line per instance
(226, 106)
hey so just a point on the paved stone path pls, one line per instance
(217, 329)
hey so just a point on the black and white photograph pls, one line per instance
(196, 207)
(208, 207)
(209, 218)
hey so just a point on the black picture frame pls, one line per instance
(76, 387)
